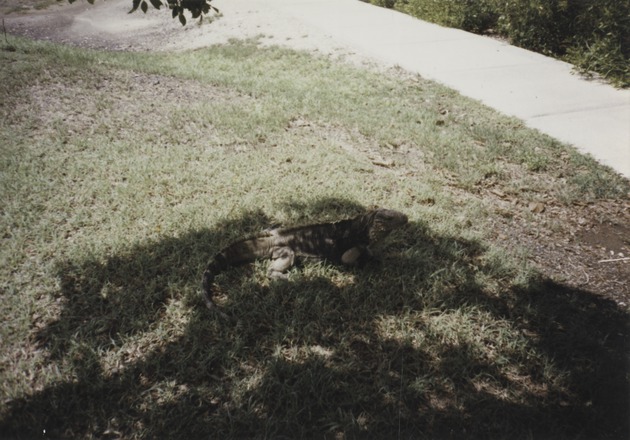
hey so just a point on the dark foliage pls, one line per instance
(198, 8)
(592, 34)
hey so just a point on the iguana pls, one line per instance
(348, 242)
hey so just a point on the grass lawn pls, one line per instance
(122, 174)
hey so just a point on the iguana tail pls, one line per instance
(218, 264)
(241, 252)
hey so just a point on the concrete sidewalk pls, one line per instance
(542, 91)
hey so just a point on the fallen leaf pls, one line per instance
(498, 193)
(536, 207)
(382, 162)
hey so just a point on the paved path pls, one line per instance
(542, 91)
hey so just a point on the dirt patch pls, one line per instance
(612, 239)
(581, 246)
(78, 106)
(23, 6)
(107, 25)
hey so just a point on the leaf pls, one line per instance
(379, 161)
(175, 11)
(144, 6)
(196, 13)
(498, 193)
(135, 5)
(536, 207)
(182, 19)
(90, 2)
(157, 4)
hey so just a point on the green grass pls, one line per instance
(122, 174)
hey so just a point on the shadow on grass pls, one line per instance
(309, 357)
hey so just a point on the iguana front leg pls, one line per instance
(282, 259)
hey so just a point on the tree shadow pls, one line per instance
(107, 300)
(313, 357)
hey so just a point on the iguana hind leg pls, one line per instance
(282, 259)
(351, 256)
(356, 256)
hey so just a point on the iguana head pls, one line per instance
(383, 221)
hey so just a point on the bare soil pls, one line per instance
(107, 25)
(585, 246)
